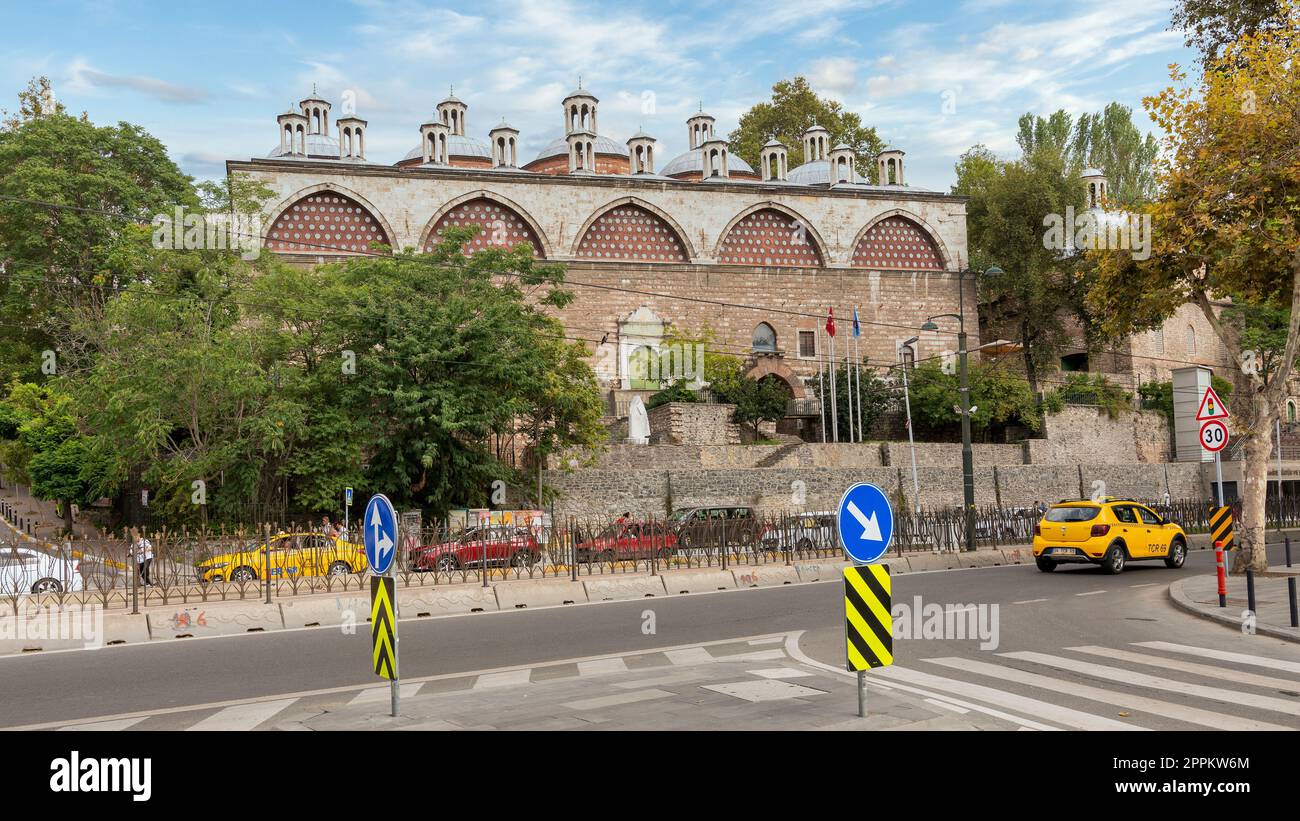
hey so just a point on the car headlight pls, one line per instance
(214, 566)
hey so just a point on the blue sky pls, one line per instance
(208, 79)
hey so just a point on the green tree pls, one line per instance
(793, 109)
(1227, 224)
(1108, 140)
(1212, 25)
(875, 396)
(1005, 227)
(758, 400)
(53, 257)
(1000, 398)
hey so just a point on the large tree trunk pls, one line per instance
(1249, 532)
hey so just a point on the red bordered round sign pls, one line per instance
(1214, 435)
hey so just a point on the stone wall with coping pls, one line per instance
(1082, 433)
(693, 423)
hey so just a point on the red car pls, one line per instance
(513, 546)
(628, 540)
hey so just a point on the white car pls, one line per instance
(24, 570)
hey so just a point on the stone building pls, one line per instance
(703, 239)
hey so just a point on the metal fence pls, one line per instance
(198, 567)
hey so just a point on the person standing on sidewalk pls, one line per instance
(142, 549)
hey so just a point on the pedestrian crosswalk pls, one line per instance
(1072, 688)
(1137, 686)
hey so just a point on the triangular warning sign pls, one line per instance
(1212, 407)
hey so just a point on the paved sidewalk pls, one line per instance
(1200, 595)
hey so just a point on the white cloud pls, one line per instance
(85, 79)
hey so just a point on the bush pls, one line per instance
(676, 392)
(1094, 389)
(1160, 395)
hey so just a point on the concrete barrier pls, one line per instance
(933, 561)
(768, 575)
(322, 611)
(698, 581)
(820, 571)
(981, 558)
(51, 627)
(441, 600)
(619, 588)
(125, 628)
(1018, 555)
(520, 593)
(214, 619)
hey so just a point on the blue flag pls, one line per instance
(857, 329)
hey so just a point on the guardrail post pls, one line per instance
(1223, 577)
(1288, 551)
(1290, 590)
(266, 565)
(1250, 589)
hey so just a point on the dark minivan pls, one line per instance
(714, 526)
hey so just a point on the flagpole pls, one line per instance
(848, 374)
(821, 388)
(857, 379)
(835, 412)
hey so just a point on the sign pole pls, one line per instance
(394, 686)
(1218, 476)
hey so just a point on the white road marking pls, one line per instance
(385, 692)
(690, 655)
(1208, 670)
(1002, 698)
(1145, 584)
(1192, 715)
(1091, 593)
(618, 698)
(243, 716)
(1136, 679)
(1222, 655)
(1029, 601)
(780, 672)
(510, 678)
(119, 724)
(792, 647)
(773, 640)
(953, 707)
(602, 667)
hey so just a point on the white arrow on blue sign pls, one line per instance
(865, 523)
(380, 526)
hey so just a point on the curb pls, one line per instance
(1181, 600)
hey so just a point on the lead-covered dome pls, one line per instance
(692, 162)
(559, 147)
(817, 172)
(457, 146)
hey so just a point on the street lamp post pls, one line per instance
(911, 440)
(963, 392)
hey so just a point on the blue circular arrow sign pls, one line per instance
(865, 523)
(379, 524)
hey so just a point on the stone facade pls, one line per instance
(1081, 433)
(693, 423)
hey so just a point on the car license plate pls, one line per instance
(1063, 551)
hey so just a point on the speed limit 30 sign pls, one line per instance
(1214, 435)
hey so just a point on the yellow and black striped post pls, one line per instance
(383, 631)
(868, 623)
(1221, 527)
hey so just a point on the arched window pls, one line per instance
(764, 338)
(643, 370)
(1290, 410)
(499, 227)
(324, 223)
(907, 355)
(1191, 341)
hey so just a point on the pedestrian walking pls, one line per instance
(328, 529)
(142, 551)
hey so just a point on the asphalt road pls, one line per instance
(1038, 612)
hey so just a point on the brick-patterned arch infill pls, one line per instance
(770, 237)
(326, 223)
(632, 233)
(897, 244)
(500, 227)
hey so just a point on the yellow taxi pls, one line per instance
(291, 555)
(1108, 532)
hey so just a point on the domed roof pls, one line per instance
(817, 172)
(318, 145)
(693, 160)
(457, 146)
(559, 147)
(1093, 172)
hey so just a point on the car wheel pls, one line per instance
(339, 569)
(447, 563)
(1115, 559)
(522, 559)
(1177, 554)
(47, 585)
(243, 574)
(1045, 565)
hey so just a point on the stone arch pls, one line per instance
(926, 230)
(774, 366)
(777, 227)
(519, 226)
(667, 240)
(287, 234)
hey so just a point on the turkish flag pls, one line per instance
(830, 321)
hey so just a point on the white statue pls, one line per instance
(638, 423)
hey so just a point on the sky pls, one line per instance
(934, 78)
